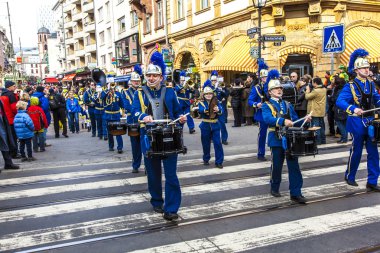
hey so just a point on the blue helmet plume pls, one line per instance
(214, 73)
(183, 73)
(207, 83)
(360, 52)
(137, 69)
(262, 65)
(158, 59)
(272, 74)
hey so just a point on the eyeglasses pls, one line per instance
(292, 76)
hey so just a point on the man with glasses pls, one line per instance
(294, 79)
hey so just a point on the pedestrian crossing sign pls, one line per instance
(333, 39)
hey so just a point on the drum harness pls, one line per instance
(279, 114)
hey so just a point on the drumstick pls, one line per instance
(370, 110)
(305, 120)
(174, 121)
(298, 120)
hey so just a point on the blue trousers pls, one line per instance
(100, 125)
(356, 154)
(223, 128)
(93, 122)
(119, 139)
(261, 138)
(104, 123)
(295, 176)
(190, 121)
(136, 151)
(211, 131)
(321, 136)
(342, 129)
(172, 186)
(73, 121)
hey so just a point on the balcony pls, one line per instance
(77, 16)
(89, 27)
(71, 57)
(70, 41)
(75, 1)
(78, 35)
(69, 24)
(90, 48)
(88, 7)
(79, 53)
(67, 8)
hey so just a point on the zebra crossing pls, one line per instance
(63, 208)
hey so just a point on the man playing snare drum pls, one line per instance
(279, 113)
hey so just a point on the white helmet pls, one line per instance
(135, 77)
(153, 69)
(213, 78)
(207, 90)
(274, 83)
(263, 73)
(361, 63)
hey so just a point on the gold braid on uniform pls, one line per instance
(110, 98)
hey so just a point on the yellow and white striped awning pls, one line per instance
(362, 37)
(234, 56)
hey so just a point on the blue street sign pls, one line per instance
(333, 39)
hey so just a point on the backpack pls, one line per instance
(53, 104)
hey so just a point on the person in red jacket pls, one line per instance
(9, 99)
(40, 124)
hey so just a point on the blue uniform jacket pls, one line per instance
(204, 112)
(23, 125)
(73, 105)
(349, 100)
(272, 121)
(88, 98)
(99, 105)
(184, 96)
(171, 102)
(128, 101)
(112, 105)
(256, 97)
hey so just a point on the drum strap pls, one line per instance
(366, 99)
(156, 104)
(276, 113)
(142, 104)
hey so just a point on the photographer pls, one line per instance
(301, 106)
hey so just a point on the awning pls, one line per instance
(234, 56)
(362, 37)
(118, 79)
(68, 78)
(51, 80)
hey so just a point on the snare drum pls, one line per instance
(165, 140)
(117, 128)
(376, 126)
(134, 129)
(301, 142)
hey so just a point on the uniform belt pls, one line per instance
(183, 98)
(271, 129)
(98, 108)
(210, 120)
(112, 112)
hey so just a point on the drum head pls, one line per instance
(314, 128)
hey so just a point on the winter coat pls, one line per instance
(248, 111)
(339, 114)
(37, 115)
(73, 105)
(316, 101)
(236, 97)
(9, 100)
(23, 125)
(6, 139)
(301, 102)
(44, 104)
(58, 100)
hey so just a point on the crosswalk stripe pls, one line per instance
(141, 180)
(250, 239)
(138, 221)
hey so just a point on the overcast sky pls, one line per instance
(23, 20)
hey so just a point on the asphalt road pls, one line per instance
(79, 197)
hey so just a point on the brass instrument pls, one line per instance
(214, 102)
(98, 76)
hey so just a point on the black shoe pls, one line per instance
(66, 136)
(35, 150)
(192, 131)
(170, 216)
(100, 137)
(352, 183)
(42, 150)
(120, 151)
(262, 158)
(298, 199)
(24, 159)
(93, 135)
(372, 188)
(57, 136)
(18, 156)
(158, 209)
(106, 138)
(206, 163)
(275, 194)
(11, 167)
(111, 149)
(135, 171)
(219, 166)
(225, 142)
(31, 159)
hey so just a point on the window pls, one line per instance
(121, 24)
(101, 38)
(160, 15)
(179, 9)
(110, 57)
(32, 71)
(147, 24)
(204, 4)
(109, 35)
(88, 59)
(36, 71)
(135, 19)
(108, 15)
(103, 59)
(100, 14)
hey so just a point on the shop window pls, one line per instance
(128, 51)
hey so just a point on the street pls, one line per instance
(80, 197)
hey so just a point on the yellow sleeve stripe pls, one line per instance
(277, 122)
(348, 110)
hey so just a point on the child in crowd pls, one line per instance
(24, 129)
(40, 124)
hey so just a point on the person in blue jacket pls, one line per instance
(279, 113)
(128, 96)
(152, 102)
(89, 101)
(73, 108)
(256, 99)
(24, 129)
(355, 98)
(44, 103)
(210, 128)
(113, 102)
(184, 94)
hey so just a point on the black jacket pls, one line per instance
(236, 97)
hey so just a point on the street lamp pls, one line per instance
(259, 4)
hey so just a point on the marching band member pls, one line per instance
(113, 102)
(356, 97)
(89, 101)
(128, 96)
(256, 99)
(184, 95)
(210, 127)
(99, 112)
(153, 101)
(279, 113)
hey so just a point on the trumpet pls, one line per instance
(189, 84)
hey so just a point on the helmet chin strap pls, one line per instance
(362, 74)
(153, 85)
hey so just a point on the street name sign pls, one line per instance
(252, 31)
(273, 37)
(254, 52)
(333, 39)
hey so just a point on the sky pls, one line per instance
(24, 20)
